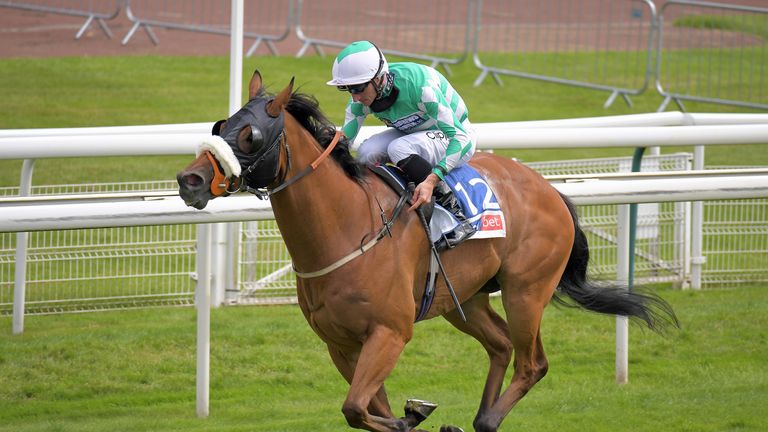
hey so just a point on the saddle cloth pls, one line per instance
(477, 201)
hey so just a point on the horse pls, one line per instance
(361, 262)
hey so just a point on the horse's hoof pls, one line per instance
(449, 428)
(419, 409)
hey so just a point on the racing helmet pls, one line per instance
(358, 63)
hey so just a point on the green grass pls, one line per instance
(83, 92)
(134, 371)
(751, 24)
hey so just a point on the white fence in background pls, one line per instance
(263, 273)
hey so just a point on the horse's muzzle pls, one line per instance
(192, 189)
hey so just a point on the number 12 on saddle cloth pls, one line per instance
(478, 202)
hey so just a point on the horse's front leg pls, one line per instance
(377, 358)
(416, 411)
(345, 363)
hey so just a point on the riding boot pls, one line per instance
(445, 197)
(416, 169)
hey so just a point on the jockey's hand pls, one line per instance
(423, 192)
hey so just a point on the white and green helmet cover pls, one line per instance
(358, 63)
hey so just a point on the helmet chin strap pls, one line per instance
(386, 81)
(386, 94)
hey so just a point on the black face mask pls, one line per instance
(259, 167)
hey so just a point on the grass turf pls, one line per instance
(134, 371)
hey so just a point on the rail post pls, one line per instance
(20, 272)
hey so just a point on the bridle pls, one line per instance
(266, 192)
(221, 185)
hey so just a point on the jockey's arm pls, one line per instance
(451, 126)
(353, 119)
(423, 192)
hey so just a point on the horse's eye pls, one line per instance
(250, 139)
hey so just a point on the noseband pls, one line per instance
(221, 185)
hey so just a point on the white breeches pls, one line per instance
(394, 146)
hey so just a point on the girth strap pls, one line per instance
(429, 290)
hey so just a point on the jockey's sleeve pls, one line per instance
(354, 118)
(447, 121)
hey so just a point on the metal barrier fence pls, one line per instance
(265, 272)
(438, 31)
(735, 235)
(266, 21)
(599, 44)
(105, 268)
(703, 45)
(93, 10)
(690, 50)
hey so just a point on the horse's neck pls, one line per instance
(324, 212)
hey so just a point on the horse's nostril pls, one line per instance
(192, 180)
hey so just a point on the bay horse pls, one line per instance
(361, 263)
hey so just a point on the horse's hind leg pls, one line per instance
(524, 309)
(490, 329)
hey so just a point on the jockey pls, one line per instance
(429, 131)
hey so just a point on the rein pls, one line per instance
(264, 194)
(221, 185)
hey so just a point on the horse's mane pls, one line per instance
(306, 110)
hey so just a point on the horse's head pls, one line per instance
(243, 151)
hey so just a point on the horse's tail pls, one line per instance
(608, 299)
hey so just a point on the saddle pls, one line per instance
(487, 218)
(442, 230)
(395, 179)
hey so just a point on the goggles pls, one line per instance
(353, 89)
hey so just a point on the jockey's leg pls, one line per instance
(445, 197)
(417, 169)
(374, 149)
(429, 145)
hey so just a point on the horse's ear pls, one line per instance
(255, 85)
(276, 105)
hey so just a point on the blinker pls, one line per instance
(261, 164)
